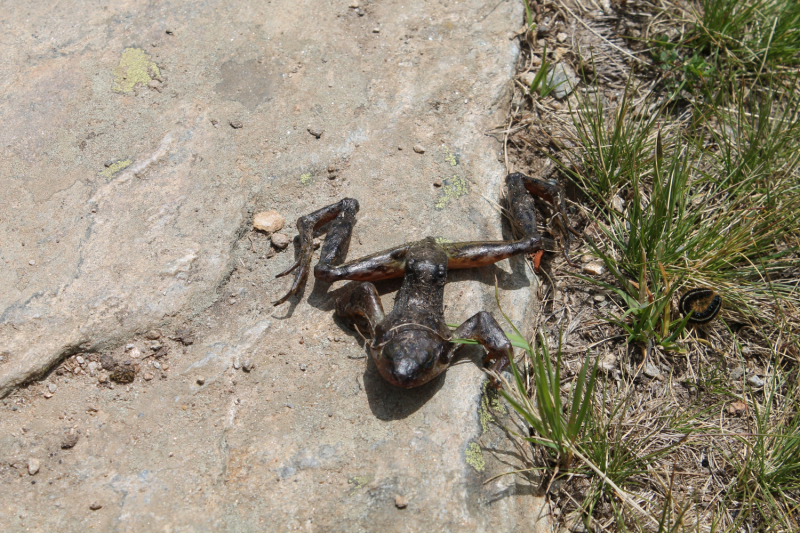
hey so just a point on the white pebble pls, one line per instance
(595, 268)
(268, 221)
(280, 241)
(33, 465)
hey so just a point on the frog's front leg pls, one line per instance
(334, 250)
(361, 301)
(483, 328)
(342, 216)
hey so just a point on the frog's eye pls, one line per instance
(441, 271)
(410, 263)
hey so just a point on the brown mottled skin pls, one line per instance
(411, 345)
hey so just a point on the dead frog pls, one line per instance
(411, 345)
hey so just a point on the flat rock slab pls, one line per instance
(139, 140)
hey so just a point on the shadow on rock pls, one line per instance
(388, 402)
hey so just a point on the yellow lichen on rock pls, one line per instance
(112, 169)
(474, 456)
(453, 188)
(134, 67)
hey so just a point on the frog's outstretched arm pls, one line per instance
(521, 206)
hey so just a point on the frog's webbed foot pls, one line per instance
(334, 249)
(483, 328)
(360, 301)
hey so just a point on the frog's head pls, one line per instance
(411, 357)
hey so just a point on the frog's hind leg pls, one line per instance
(483, 328)
(342, 216)
(522, 207)
(360, 301)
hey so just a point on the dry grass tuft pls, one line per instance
(678, 149)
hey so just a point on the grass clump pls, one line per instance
(688, 175)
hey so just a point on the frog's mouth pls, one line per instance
(410, 357)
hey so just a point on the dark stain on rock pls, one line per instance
(250, 83)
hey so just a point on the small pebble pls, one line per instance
(268, 221)
(80, 360)
(354, 4)
(595, 268)
(108, 362)
(236, 124)
(303, 367)
(586, 258)
(123, 374)
(332, 168)
(148, 376)
(527, 78)
(153, 84)
(52, 387)
(156, 365)
(376, 30)
(737, 408)
(129, 347)
(248, 365)
(651, 371)
(136, 353)
(316, 132)
(599, 298)
(608, 363)
(419, 149)
(561, 37)
(70, 440)
(153, 334)
(31, 262)
(400, 502)
(95, 506)
(236, 364)
(184, 336)
(280, 241)
(755, 381)
(737, 373)
(33, 465)
(201, 380)
(437, 183)
(92, 366)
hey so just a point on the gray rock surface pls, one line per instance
(139, 140)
